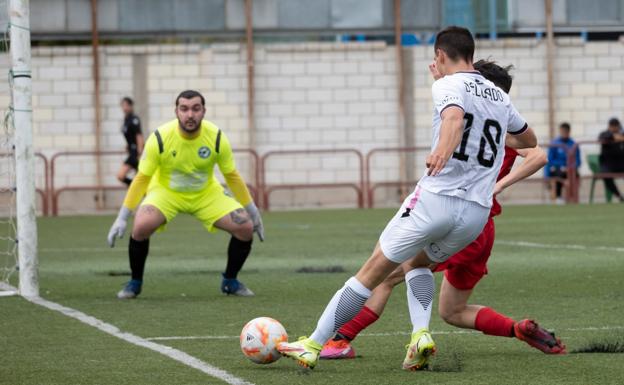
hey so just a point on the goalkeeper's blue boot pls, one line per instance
(131, 290)
(232, 286)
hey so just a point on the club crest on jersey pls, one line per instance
(203, 152)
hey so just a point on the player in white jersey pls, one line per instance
(451, 202)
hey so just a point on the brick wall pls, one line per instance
(308, 96)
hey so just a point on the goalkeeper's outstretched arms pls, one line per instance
(135, 193)
(237, 185)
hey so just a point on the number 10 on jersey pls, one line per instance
(489, 138)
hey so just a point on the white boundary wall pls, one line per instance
(309, 95)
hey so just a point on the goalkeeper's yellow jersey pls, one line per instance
(186, 165)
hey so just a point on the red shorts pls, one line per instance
(464, 269)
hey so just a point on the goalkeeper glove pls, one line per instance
(254, 214)
(118, 228)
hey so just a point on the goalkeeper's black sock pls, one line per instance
(238, 251)
(127, 181)
(137, 251)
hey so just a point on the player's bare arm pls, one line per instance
(526, 139)
(618, 137)
(534, 159)
(451, 132)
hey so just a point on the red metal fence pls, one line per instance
(357, 187)
(372, 186)
(72, 154)
(572, 183)
(364, 188)
(55, 192)
(255, 188)
(42, 192)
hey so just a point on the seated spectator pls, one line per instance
(557, 167)
(612, 154)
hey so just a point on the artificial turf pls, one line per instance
(563, 266)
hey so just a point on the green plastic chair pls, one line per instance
(593, 162)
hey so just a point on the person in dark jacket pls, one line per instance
(131, 130)
(612, 154)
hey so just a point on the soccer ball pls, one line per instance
(259, 339)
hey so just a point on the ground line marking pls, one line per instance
(501, 242)
(386, 334)
(168, 351)
(557, 246)
(85, 249)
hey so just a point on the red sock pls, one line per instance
(360, 322)
(492, 323)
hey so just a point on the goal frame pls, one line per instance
(21, 111)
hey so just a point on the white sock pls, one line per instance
(420, 290)
(344, 305)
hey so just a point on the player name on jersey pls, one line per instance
(476, 88)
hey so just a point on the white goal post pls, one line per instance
(20, 117)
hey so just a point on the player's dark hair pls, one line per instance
(614, 122)
(128, 100)
(190, 94)
(457, 42)
(565, 126)
(495, 73)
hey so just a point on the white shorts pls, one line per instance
(439, 224)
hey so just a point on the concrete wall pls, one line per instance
(309, 96)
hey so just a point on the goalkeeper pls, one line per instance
(176, 171)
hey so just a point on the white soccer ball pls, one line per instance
(259, 339)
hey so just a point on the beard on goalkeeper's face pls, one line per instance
(189, 125)
(190, 112)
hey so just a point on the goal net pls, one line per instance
(18, 229)
(8, 226)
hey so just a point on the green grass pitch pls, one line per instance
(576, 290)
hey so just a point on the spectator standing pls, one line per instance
(557, 167)
(612, 154)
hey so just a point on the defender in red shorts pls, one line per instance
(463, 270)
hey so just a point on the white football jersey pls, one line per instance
(471, 172)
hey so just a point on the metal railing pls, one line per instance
(44, 192)
(55, 192)
(372, 186)
(364, 187)
(357, 187)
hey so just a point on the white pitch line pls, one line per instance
(594, 328)
(558, 246)
(501, 242)
(386, 334)
(498, 241)
(87, 249)
(168, 351)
